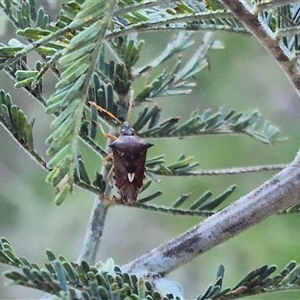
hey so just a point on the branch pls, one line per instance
(266, 38)
(93, 233)
(258, 7)
(237, 170)
(279, 193)
(227, 171)
(77, 64)
(96, 223)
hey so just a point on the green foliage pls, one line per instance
(283, 20)
(200, 207)
(221, 122)
(76, 63)
(76, 281)
(69, 280)
(74, 47)
(14, 120)
(93, 50)
(258, 281)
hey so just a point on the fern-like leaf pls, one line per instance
(14, 120)
(201, 207)
(62, 278)
(256, 282)
(221, 122)
(181, 16)
(181, 79)
(77, 68)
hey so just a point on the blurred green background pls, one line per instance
(241, 77)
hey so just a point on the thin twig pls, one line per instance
(93, 233)
(265, 37)
(227, 171)
(238, 170)
(181, 23)
(96, 223)
(260, 6)
(279, 193)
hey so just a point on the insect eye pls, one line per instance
(127, 129)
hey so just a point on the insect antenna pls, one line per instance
(110, 136)
(131, 104)
(106, 112)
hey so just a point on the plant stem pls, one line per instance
(95, 227)
(93, 233)
(258, 7)
(227, 171)
(96, 223)
(278, 193)
(266, 38)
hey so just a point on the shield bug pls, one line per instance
(129, 156)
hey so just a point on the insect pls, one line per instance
(129, 155)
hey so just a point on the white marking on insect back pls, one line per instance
(130, 176)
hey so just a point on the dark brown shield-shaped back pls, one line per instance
(129, 153)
